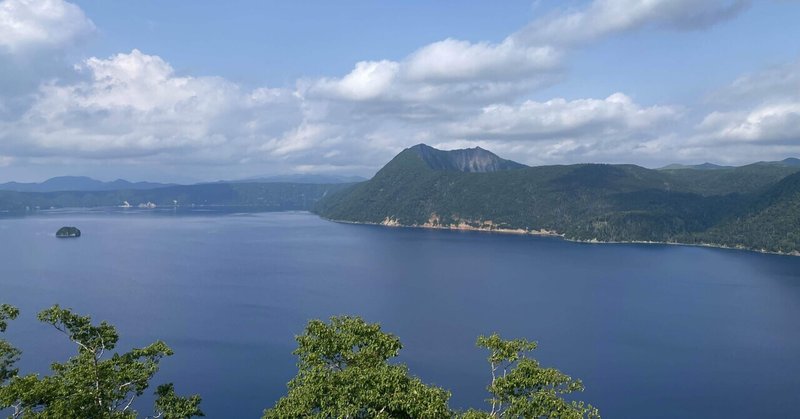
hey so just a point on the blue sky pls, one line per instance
(191, 91)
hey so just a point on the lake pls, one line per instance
(653, 330)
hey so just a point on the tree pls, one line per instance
(344, 373)
(90, 384)
(521, 388)
(8, 354)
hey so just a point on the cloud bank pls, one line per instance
(133, 108)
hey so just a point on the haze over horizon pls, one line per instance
(159, 92)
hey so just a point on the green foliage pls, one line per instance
(755, 177)
(9, 355)
(7, 312)
(343, 372)
(91, 384)
(731, 206)
(172, 406)
(772, 223)
(522, 388)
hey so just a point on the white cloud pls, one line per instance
(455, 60)
(606, 17)
(768, 124)
(616, 115)
(27, 25)
(134, 108)
(445, 73)
(134, 105)
(368, 80)
(777, 83)
(307, 136)
(759, 109)
(454, 71)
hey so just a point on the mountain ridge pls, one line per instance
(78, 183)
(88, 184)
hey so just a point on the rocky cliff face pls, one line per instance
(473, 160)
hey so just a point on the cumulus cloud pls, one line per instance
(450, 71)
(614, 129)
(767, 124)
(134, 108)
(27, 25)
(368, 80)
(761, 108)
(616, 115)
(134, 105)
(457, 72)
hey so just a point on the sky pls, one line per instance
(201, 91)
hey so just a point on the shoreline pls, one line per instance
(546, 233)
(394, 224)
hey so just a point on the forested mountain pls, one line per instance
(754, 206)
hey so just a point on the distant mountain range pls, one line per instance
(790, 162)
(78, 183)
(87, 184)
(303, 178)
(254, 195)
(756, 206)
(274, 193)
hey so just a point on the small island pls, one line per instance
(68, 232)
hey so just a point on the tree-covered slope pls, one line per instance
(771, 222)
(756, 177)
(582, 202)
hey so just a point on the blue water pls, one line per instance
(653, 331)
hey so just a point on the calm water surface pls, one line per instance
(653, 331)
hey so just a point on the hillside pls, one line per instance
(581, 202)
(772, 222)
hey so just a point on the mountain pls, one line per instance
(580, 202)
(471, 160)
(303, 178)
(87, 184)
(704, 166)
(789, 162)
(77, 183)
